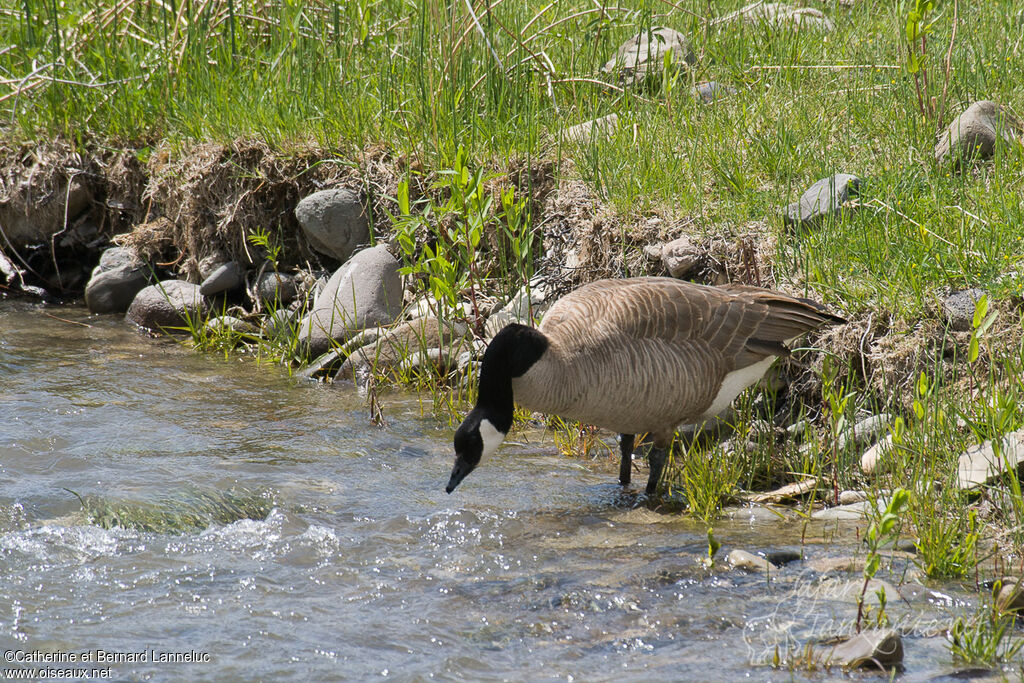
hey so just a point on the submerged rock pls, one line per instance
(120, 275)
(882, 649)
(741, 559)
(824, 198)
(334, 221)
(167, 304)
(977, 132)
(643, 55)
(365, 292)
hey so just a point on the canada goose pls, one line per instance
(638, 355)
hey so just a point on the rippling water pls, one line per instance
(534, 569)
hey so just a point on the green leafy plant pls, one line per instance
(984, 639)
(920, 21)
(881, 530)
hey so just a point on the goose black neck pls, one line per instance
(511, 353)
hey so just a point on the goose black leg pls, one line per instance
(656, 458)
(626, 464)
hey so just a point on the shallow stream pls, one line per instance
(536, 568)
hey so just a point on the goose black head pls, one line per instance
(476, 437)
(511, 353)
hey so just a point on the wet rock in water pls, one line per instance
(781, 15)
(977, 132)
(741, 559)
(681, 257)
(779, 557)
(875, 458)
(864, 431)
(223, 278)
(958, 308)
(275, 288)
(643, 55)
(854, 511)
(365, 292)
(120, 275)
(882, 649)
(830, 565)
(583, 133)
(526, 304)
(225, 323)
(412, 345)
(712, 91)
(824, 198)
(1010, 595)
(167, 304)
(334, 221)
(982, 465)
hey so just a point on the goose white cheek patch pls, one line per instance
(491, 436)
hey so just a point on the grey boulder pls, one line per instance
(681, 257)
(364, 292)
(334, 221)
(224, 278)
(643, 55)
(167, 304)
(824, 198)
(119, 276)
(277, 288)
(978, 131)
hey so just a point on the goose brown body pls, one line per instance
(644, 354)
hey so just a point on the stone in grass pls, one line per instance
(864, 431)
(119, 276)
(741, 559)
(167, 306)
(958, 308)
(881, 649)
(228, 323)
(1010, 595)
(364, 292)
(875, 459)
(334, 221)
(525, 305)
(223, 278)
(712, 91)
(409, 345)
(681, 257)
(977, 132)
(824, 198)
(643, 55)
(276, 288)
(582, 133)
(781, 15)
(981, 464)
